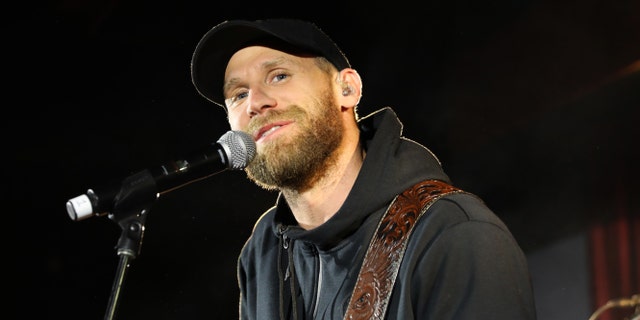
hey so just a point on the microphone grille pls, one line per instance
(240, 148)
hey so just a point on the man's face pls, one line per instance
(286, 103)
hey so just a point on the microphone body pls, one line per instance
(234, 151)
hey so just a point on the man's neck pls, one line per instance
(314, 206)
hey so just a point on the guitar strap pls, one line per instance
(377, 276)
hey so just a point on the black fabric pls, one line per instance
(461, 261)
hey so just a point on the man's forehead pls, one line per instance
(260, 58)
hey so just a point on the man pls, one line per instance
(291, 88)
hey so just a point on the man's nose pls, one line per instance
(259, 101)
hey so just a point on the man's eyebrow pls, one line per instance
(264, 66)
(274, 62)
(230, 83)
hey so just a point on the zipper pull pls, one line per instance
(285, 245)
(283, 236)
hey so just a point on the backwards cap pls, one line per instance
(216, 47)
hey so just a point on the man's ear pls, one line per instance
(350, 85)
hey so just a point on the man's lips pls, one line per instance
(265, 131)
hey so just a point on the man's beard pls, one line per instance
(297, 162)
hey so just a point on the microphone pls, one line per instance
(234, 150)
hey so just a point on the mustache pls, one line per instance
(293, 112)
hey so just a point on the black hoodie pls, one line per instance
(461, 261)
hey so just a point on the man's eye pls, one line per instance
(241, 95)
(234, 100)
(279, 77)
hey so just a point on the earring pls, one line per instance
(346, 91)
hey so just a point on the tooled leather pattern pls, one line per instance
(382, 260)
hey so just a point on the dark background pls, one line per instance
(533, 105)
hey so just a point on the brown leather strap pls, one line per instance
(382, 259)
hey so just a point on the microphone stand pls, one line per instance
(132, 205)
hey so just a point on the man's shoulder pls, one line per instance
(470, 203)
(261, 235)
(461, 208)
(265, 221)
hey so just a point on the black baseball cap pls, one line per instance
(216, 47)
